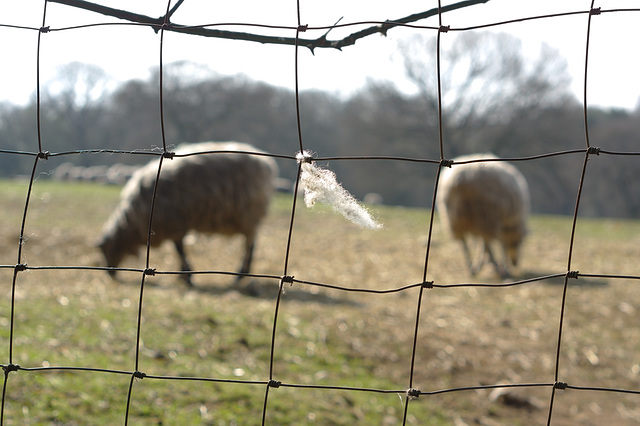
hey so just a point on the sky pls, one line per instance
(127, 52)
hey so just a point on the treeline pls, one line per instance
(377, 121)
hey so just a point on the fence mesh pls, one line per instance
(417, 294)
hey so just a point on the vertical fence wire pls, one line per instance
(137, 374)
(557, 384)
(285, 279)
(19, 265)
(411, 392)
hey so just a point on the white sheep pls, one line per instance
(226, 193)
(485, 200)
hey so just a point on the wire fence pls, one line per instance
(271, 382)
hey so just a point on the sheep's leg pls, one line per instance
(248, 257)
(502, 271)
(479, 253)
(467, 256)
(481, 247)
(489, 253)
(184, 265)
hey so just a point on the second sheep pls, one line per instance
(488, 200)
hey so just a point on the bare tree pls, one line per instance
(71, 107)
(77, 85)
(485, 76)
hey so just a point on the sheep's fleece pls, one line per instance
(225, 193)
(489, 200)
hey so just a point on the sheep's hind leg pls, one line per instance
(468, 258)
(248, 257)
(184, 265)
(501, 270)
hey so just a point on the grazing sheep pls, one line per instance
(224, 193)
(488, 200)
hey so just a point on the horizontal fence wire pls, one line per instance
(164, 27)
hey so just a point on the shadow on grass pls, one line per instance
(268, 289)
(261, 288)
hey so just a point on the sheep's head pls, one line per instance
(112, 252)
(512, 241)
(513, 252)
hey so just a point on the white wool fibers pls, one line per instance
(320, 185)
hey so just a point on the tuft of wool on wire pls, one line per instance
(320, 185)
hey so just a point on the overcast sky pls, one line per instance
(127, 52)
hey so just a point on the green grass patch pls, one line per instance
(215, 342)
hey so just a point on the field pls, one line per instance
(467, 336)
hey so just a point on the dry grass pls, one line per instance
(467, 336)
